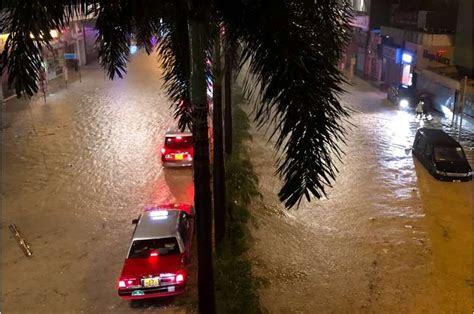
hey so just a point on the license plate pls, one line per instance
(178, 156)
(151, 282)
(138, 292)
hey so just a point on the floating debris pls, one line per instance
(24, 245)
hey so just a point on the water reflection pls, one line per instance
(448, 218)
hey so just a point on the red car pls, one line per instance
(160, 250)
(178, 149)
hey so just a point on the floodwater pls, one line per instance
(75, 172)
(389, 238)
(77, 169)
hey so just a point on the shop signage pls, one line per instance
(392, 53)
(435, 57)
(70, 56)
(361, 21)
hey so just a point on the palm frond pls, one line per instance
(28, 24)
(114, 23)
(146, 22)
(292, 48)
(173, 47)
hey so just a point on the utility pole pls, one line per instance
(43, 83)
(463, 100)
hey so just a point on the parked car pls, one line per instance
(403, 96)
(442, 156)
(160, 249)
(177, 150)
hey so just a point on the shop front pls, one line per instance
(407, 63)
(373, 61)
(360, 60)
(391, 65)
(53, 60)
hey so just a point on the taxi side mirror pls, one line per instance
(135, 221)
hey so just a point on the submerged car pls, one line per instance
(442, 156)
(403, 96)
(159, 252)
(177, 150)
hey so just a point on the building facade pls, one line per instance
(425, 44)
(69, 41)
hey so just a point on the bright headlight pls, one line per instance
(404, 103)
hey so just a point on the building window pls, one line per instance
(360, 5)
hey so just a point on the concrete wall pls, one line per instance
(426, 39)
(463, 55)
(431, 56)
(379, 13)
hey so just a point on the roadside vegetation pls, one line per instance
(236, 287)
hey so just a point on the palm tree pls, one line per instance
(292, 48)
(218, 169)
(229, 54)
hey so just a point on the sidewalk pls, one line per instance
(58, 83)
(56, 87)
(464, 133)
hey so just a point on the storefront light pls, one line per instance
(54, 33)
(133, 49)
(407, 58)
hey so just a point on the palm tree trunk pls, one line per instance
(202, 184)
(218, 165)
(228, 98)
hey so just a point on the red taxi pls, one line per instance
(160, 250)
(177, 150)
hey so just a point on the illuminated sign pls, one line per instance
(407, 57)
(436, 57)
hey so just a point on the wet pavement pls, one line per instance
(75, 171)
(389, 238)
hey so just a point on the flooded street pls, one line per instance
(75, 171)
(388, 239)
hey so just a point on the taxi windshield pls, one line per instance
(163, 246)
(179, 142)
(448, 154)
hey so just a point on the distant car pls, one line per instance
(160, 250)
(441, 155)
(177, 151)
(403, 96)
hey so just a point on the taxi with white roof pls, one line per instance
(160, 250)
